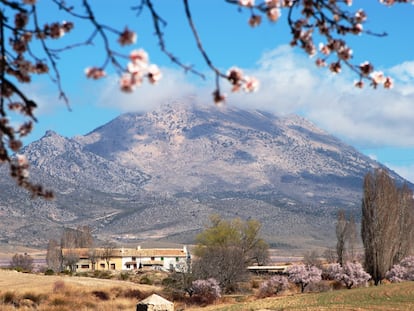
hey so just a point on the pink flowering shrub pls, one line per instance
(273, 286)
(304, 275)
(350, 274)
(404, 271)
(206, 291)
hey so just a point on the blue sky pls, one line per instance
(380, 123)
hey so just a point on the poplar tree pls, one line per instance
(380, 224)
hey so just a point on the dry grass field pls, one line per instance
(22, 291)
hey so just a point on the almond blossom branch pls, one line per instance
(157, 20)
(218, 97)
(51, 58)
(100, 30)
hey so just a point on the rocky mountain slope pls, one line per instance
(160, 175)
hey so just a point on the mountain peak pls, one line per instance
(160, 174)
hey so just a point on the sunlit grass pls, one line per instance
(384, 297)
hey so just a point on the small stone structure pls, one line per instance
(155, 303)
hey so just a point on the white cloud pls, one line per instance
(173, 85)
(406, 172)
(291, 83)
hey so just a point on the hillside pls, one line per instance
(159, 175)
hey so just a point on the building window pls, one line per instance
(162, 258)
(128, 266)
(134, 258)
(152, 258)
(85, 266)
(177, 259)
(112, 266)
(102, 265)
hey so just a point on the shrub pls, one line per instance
(49, 272)
(58, 301)
(9, 298)
(101, 295)
(102, 274)
(145, 280)
(397, 274)
(404, 271)
(205, 291)
(124, 276)
(133, 294)
(351, 274)
(273, 286)
(304, 275)
(33, 297)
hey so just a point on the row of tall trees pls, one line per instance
(71, 238)
(387, 224)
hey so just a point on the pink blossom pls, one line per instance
(360, 16)
(272, 3)
(273, 286)
(127, 83)
(359, 84)
(235, 76)
(304, 275)
(388, 83)
(335, 67)
(94, 73)
(218, 97)
(273, 14)
(56, 31)
(366, 68)
(320, 62)
(251, 84)
(127, 37)
(255, 20)
(248, 3)
(378, 77)
(357, 29)
(154, 74)
(324, 49)
(139, 57)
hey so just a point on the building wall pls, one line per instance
(165, 259)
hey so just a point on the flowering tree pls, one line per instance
(29, 46)
(350, 274)
(404, 271)
(304, 275)
(273, 286)
(206, 291)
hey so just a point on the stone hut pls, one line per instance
(155, 303)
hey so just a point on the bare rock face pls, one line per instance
(160, 175)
